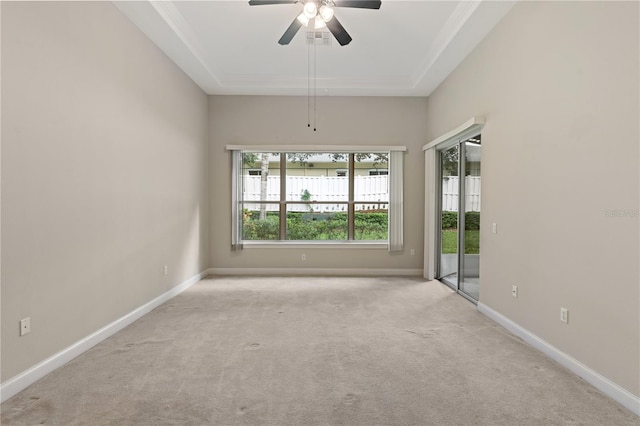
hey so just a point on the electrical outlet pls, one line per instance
(303, 257)
(165, 269)
(25, 326)
(564, 315)
(494, 228)
(514, 291)
(412, 252)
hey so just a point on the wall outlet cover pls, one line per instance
(25, 326)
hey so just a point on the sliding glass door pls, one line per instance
(459, 216)
(449, 167)
(470, 220)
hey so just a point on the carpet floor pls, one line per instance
(313, 351)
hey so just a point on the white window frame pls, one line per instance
(395, 211)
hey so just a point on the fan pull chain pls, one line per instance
(315, 85)
(308, 85)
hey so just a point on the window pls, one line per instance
(296, 197)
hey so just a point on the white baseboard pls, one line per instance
(604, 385)
(20, 382)
(351, 272)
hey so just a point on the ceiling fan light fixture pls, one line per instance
(321, 11)
(319, 23)
(326, 12)
(304, 19)
(310, 9)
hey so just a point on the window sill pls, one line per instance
(377, 245)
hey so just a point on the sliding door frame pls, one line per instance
(433, 197)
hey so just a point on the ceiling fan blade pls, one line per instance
(264, 2)
(291, 31)
(361, 4)
(339, 32)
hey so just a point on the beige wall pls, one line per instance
(558, 85)
(103, 174)
(255, 120)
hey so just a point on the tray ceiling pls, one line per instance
(404, 49)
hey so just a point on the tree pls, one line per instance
(450, 160)
(378, 158)
(251, 159)
(264, 175)
(306, 196)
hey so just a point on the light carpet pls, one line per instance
(313, 351)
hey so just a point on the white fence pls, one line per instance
(370, 192)
(450, 193)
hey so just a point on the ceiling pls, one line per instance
(407, 48)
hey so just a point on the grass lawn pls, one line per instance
(450, 241)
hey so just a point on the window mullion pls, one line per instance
(283, 196)
(351, 208)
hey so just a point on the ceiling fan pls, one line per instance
(319, 14)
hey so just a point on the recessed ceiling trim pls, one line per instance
(160, 25)
(449, 30)
(321, 82)
(183, 31)
(484, 17)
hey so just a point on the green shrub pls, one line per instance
(371, 226)
(302, 230)
(449, 220)
(257, 229)
(261, 230)
(315, 226)
(471, 220)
